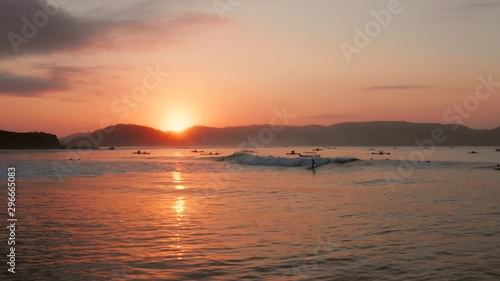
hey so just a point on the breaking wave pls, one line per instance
(254, 160)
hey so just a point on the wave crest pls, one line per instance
(254, 160)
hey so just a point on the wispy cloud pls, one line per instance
(63, 70)
(29, 86)
(482, 5)
(473, 11)
(70, 99)
(397, 87)
(56, 79)
(153, 34)
(330, 116)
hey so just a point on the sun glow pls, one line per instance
(177, 122)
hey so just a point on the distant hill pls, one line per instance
(379, 133)
(122, 135)
(35, 140)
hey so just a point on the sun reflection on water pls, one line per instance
(177, 180)
(179, 207)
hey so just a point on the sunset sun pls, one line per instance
(177, 121)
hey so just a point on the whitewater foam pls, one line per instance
(254, 160)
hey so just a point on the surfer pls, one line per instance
(312, 166)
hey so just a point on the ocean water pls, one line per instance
(177, 215)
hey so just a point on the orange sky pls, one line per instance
(235, 68)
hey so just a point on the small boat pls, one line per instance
(292, 153)
(197, 151)
(139, 152)
(381, 152)
(318, 149)
(210, 153)
(473, 152)
(309, 154)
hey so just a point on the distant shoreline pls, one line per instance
(134, 148)
(363, 134)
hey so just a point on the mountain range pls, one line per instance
(377, 133)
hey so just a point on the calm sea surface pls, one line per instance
(177, 215)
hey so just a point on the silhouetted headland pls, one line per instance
(34, 140)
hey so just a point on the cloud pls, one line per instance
(70, 99)
(473, 11)
(58, 78)
(121, 10)
(28, 27)
(330, 116)
(483, 5)
(64, 71)
(398, 87)
(153, 34)
(28, 86)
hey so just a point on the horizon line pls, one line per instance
(257, 125)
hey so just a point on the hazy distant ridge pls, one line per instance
(344, 134)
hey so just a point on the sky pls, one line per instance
(71, 66)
